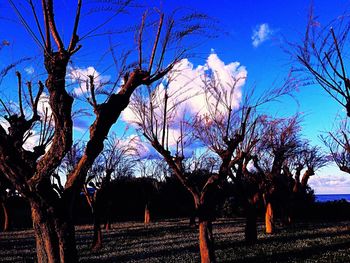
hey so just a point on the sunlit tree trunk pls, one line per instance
(306, 177)
(206, 241)
(269, 223)
(206, 238)
(54, 234)
(147, 218)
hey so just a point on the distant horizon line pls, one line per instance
(333, 194)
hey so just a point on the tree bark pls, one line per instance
(54, 234)
(206, 241)
(269, 219)
(6, 217)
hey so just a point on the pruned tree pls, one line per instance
(160, 118)
(247, 182)
(314, 159)
(298, 169)
(280, 141)
(30, 172)
(224, 132)
(231, 128)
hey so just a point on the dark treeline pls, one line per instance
(127, 197)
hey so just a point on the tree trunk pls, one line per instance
(97, 239)
(6, 217)
(206, 241)
(54, 235)
(108, 216)
(269, 219)
(250, 227)
(147, 219)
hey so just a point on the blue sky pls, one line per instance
(265, 59)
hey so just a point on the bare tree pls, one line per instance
(157, 113)
(323, 54)
(30, 172)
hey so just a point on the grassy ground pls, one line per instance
(174, 241)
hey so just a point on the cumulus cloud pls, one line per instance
(260, 34)
(185, 88)
(81, 75)
(229, 77)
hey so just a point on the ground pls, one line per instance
(174, 241)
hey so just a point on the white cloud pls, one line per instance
(32, 141)
(44, 106)
(187, 84)
(191, 83)
(29, 70)
(330, 180)
(260, 34)
(80, 76)
(4, 123)
(186, 90)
